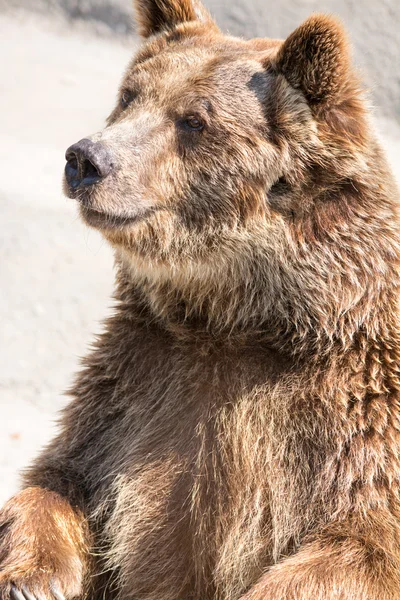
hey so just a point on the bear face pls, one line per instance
(247, 166)
(189, 121)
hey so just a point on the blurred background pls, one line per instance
(59, 71)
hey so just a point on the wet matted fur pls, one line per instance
(235, 431)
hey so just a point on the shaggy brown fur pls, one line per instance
(235, 432)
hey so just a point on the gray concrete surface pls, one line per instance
(57, 84)
(373, 26)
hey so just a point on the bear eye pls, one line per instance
(193, 123)
(127, 97)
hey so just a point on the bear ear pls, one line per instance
(315, 59)
(154, 16)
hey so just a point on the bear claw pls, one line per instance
(25, 594)
(56, 593)
(16, 594)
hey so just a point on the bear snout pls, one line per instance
(88, 163)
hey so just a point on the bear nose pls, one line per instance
(87, 163)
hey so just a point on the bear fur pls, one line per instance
(234, 434)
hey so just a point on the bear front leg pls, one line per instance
(337, 567)
(43, 547)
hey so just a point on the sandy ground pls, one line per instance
(56, 85)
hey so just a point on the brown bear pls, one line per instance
(235, 431)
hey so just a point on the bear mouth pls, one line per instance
(103, 220)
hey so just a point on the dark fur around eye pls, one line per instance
(192, 123)
(127, 97)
